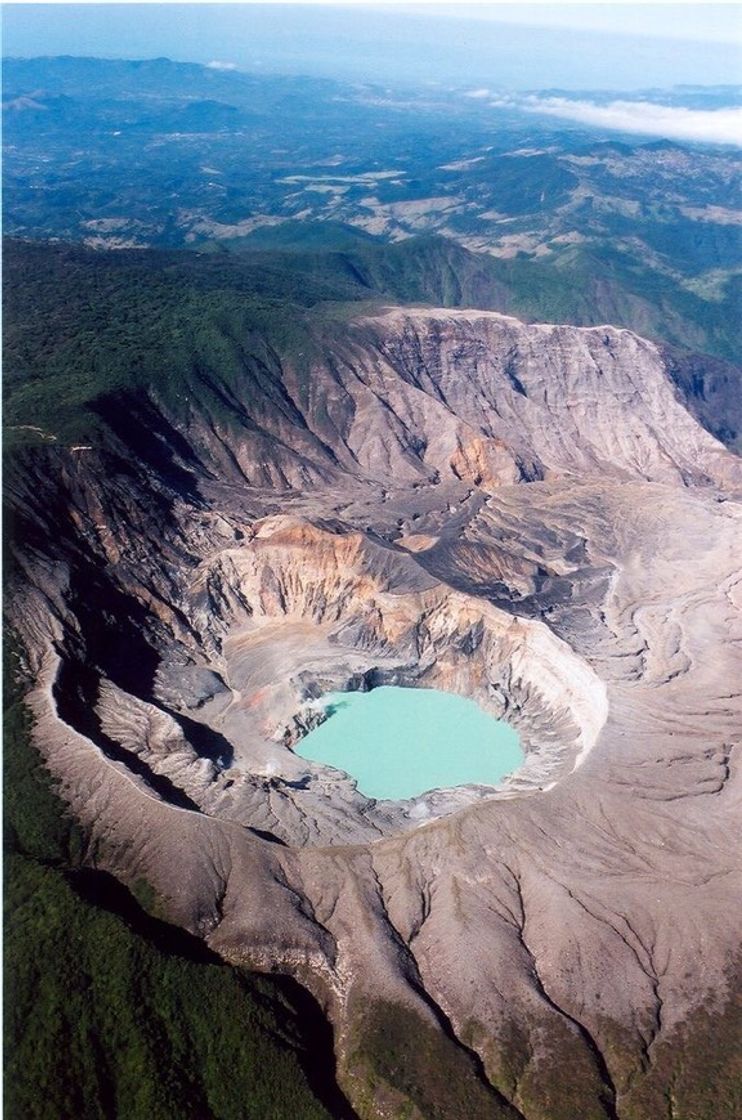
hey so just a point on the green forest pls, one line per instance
(81, 325)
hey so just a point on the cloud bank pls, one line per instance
(712, 126)
(216, 65)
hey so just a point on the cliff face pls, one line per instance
(523, 514)
(432, 397)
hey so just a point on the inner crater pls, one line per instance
(298, 612)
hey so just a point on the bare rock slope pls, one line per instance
(526, 515)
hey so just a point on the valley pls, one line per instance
(566, 223)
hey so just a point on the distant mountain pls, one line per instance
(577, 227)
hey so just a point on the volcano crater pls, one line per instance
(298, 612)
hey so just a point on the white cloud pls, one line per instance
(478, 93)
(713, 126)
(216, 65)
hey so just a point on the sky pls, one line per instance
(530, 46)
(699, 22)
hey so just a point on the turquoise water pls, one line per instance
(401, 742)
